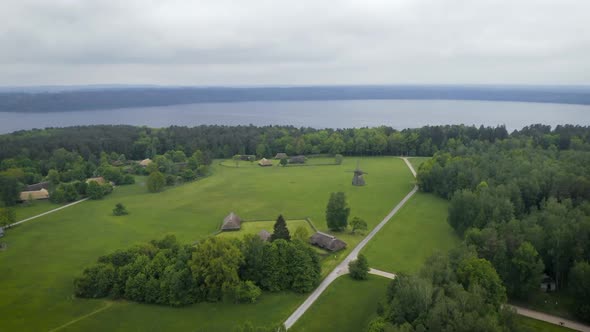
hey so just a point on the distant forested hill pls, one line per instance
(56, 100)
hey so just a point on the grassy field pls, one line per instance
(346, 305)
(253, 227)
(418, 230)
(540, 326)
(44, 255)
(554, 303)
(26, 210)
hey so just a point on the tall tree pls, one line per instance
(280, 230)
(359, 268)
(156, 182)
(337, 211)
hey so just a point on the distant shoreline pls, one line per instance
(103, 98)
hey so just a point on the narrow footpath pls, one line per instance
(342, 268)
(46, 213)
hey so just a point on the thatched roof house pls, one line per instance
(37, 186)
(145, 162)
(35, 195)
(99, 180)
(264, 235)
(327, 241)
(231, 223)
(264, 162)
(281, 155)
(297, 160)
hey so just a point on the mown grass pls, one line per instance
(417, 161)
(45, 254)
(27, 210)
(540, 326)
(346, 305)
(418, 230)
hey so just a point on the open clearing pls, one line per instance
(45, 254)
(346, 305)
(24, 211)
(537, 325)
(416, 232)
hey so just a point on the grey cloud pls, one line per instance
(294, 42)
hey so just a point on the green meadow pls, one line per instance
(346, 305)
(45, 254)
(540, 326)
(417, 231)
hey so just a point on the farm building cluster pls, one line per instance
(232, 222)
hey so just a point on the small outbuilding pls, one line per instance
(264, 162)
(145, 162)
(264, 235)
(34, 195)
(231, 223)
(547, 284)
(297, 160)
(281, 155)
(327, 241)
(1, 232)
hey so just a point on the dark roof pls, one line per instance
(297, 160)
(37, 186)
(281, 155)
(327, 241)
(231, 222)
(264, 235)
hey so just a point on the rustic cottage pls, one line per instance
(231, 223)
(327, 241)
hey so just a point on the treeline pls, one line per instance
(216, 269)
(458, 292)
(108, 98)
(523, 204)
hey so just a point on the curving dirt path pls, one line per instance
(342, 268)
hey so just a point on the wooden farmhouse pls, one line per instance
(327, 241)
(34, 195)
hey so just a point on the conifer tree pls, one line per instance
(280, 230)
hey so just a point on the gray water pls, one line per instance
(318, 114)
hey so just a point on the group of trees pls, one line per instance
(523, 202)
(458, 292)
(216, 269)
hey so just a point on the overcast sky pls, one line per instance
(258, 42)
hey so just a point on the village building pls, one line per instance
(327, 241)
(281, 155)
(145, 162)
(37, 186)
(297, 160)
(34, 195)
(264, 235)
(231, 223)
(264, 162)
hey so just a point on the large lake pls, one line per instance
(319, 114)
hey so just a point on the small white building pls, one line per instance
(547, 284)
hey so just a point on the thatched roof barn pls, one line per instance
(37, 186)
(231, 223)
(327, 241)
(145, 162)
(35, 195)
(99, 180)
(264, 162)
(281, 155)
(297, 160)
(264, 235)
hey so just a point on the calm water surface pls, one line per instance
(319, 114)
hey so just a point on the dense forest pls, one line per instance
(75, 99)
(524, 204)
